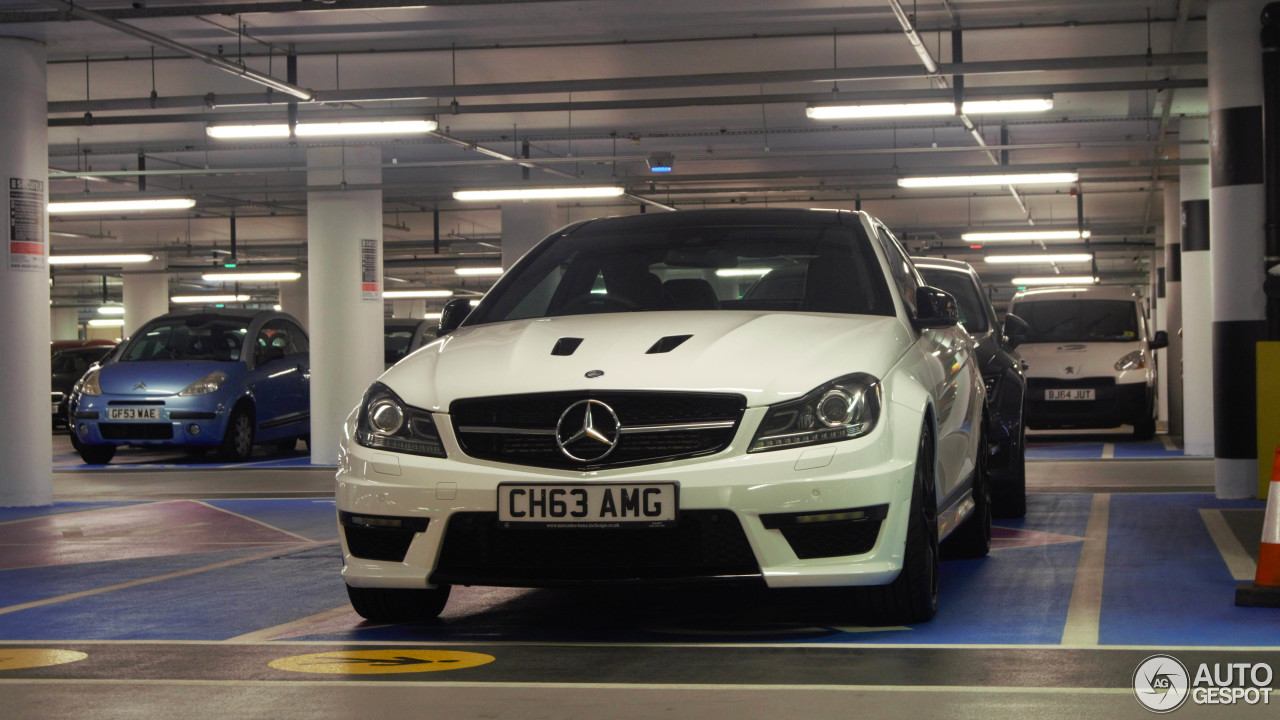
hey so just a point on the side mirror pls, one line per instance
(455, 311)
(1160, 341)
(935, 309)
(1016, 330)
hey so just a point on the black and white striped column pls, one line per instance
(1197, 295)
(1169, 295)
(1237, 215)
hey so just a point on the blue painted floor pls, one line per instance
(1165, 585)
(1091, 445)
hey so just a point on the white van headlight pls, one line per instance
(1133, 361)
(845, 408)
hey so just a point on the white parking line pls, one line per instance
(1108, 451)
(1085, 610)
(1238, 560)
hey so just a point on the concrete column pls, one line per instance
(344, 257)
(25, 442)
(1160, 321)
(525, 224)
(1197, 298)
(293, 299)
(64, 323)
(1171, 364)
(1237, 216)
(146, 295)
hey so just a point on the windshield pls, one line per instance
(396, 344)
(200, 337)
(1080, 320)
(773, 268)
(971, 304)
(76, 362)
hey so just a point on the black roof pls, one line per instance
(722, 216)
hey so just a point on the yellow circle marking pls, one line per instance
(376, 662)
(19, 658)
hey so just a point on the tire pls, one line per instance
(1009, 498)
(287, 445)
(973, 538)
(96, 454)
(912, 597)
(394, 605)
(1144, 429)
(237, 443)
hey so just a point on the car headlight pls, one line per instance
(387, 423)
(208, 384)
(1133, 361)
(847, 407)
(89, 383)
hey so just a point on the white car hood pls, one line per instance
(1074, 361)
(768, 357)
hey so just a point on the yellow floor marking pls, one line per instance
(259, 522)
(1241, 564)
(20, 658)
(376, 662)
(1085, 609)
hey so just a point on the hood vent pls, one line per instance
(566, 346)
(667, 344)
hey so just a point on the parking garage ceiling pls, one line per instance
(593, 89)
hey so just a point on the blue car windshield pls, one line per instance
(195, 338)
(772, 268)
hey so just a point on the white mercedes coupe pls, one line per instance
(754, 395)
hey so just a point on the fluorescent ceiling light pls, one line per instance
(1056, 280)
(107, 322)
(478, 271)
(98, 206)
(976, 180)
(393, 294)
(276, 308)
(743, 272)
(855, 112)
(209, 298)
(99, 259)
(322, 129)
(475, 303)
(1056, 290)
(249, 276)
(111, 310)
(1064, 258)
(927, 109)
(1017, 105)
(1017, 235)
(432, 316)
(539, 193)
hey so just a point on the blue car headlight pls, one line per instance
(387, 423)
(845, 408)
(89, 383)
(210, 383)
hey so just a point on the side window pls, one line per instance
(299, 338)
(275, 340)
(904, 274)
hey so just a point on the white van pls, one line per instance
(1089, 359)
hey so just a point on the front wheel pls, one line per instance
(913, 596)
(1144, 429)
(1009, 499)
(237, 444)
(396, 605)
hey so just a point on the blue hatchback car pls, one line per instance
(205, 380)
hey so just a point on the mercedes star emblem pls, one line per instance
(587, 431)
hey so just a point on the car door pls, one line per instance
(280, 381)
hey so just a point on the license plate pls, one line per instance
(1069, 394)
(129, 413)
(588, 505)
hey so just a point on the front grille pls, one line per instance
(389, 544)
(136, 402)
(834, 539)
(701, 544)
(520, 429)
(135, 431)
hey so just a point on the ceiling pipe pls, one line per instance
(652, 82)
(73, 10)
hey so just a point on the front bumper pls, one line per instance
(198, 421)
(1113, 404)
(456, 493)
